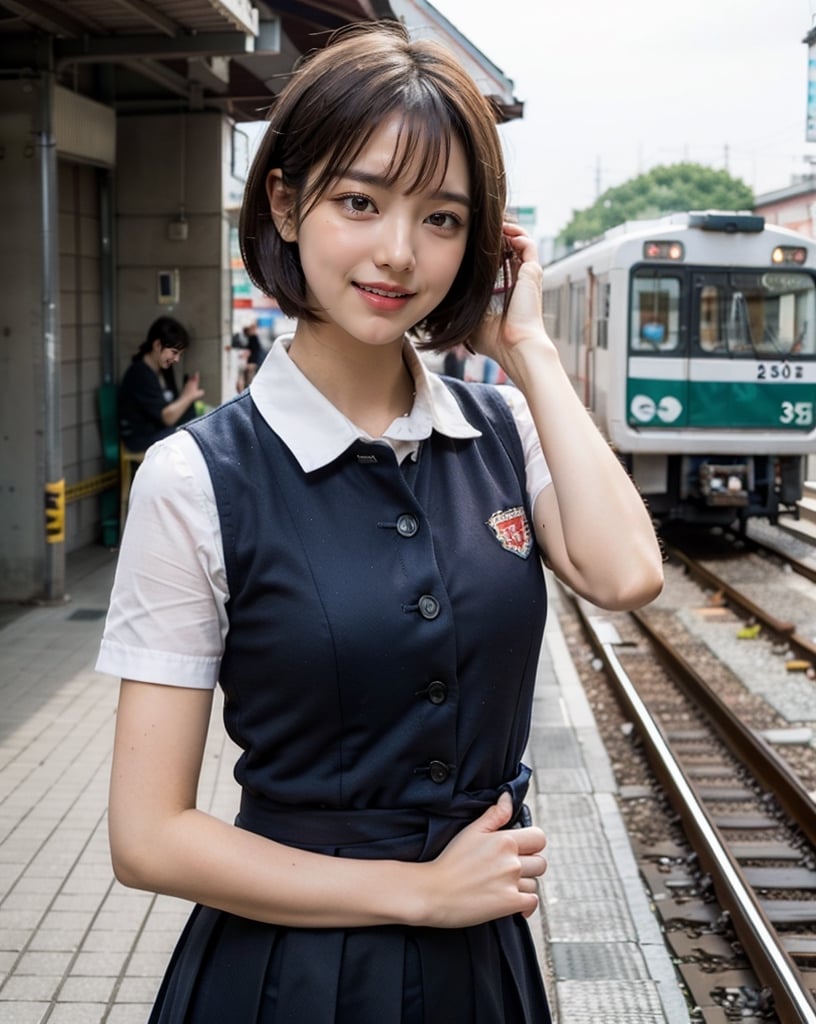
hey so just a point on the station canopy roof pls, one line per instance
(143, 56)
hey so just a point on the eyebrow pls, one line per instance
(380, 181)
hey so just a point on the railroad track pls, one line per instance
(802, 646)
(748, 819)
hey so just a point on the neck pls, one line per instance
(369, 384)
(152, 361)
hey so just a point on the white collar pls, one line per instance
(316, 432)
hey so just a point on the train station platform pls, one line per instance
(78, 948)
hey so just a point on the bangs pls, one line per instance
(421, 152)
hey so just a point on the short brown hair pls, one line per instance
(335, 101)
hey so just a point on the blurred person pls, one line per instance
(151, 406)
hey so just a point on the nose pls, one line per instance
(396, 244)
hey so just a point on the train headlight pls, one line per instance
(789, 254)
(663, 251)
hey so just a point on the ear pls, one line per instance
(281, 205)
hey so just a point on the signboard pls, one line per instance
(525, 216)
(810, 134)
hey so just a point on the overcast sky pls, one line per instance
(613, 89)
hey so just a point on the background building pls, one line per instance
(791, 207)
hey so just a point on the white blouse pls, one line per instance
(167, 617)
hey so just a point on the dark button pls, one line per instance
(407, 525)
(438, 771)
(437, 692)
(428, 606)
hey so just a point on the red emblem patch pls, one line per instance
(512, 531)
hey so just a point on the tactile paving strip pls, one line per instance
(555, 747)
(613, 1002)
(594, 961)
(589, 918)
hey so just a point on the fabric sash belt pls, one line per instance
(408, 834)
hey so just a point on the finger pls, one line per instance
(528, 885)
(530, 840)
(533, 867)
(532, 902)
(521, 243)
(497, 815)
(529, 913)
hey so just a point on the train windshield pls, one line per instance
(655, 316)
(764, 314)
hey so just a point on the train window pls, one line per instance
(757, 314)
(603, 292)
(655, 313)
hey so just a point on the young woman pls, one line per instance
(351, 548)
(150, 403)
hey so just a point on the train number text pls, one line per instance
(779, 371)
(800, 413)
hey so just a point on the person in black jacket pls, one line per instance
(150, 403)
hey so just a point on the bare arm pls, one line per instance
(160, 841)
(191, 392)
(591, 523)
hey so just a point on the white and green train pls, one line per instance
(692, 339)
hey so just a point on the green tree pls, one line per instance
(666, 189)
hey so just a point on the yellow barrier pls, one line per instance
(92, 485)
(55, 512)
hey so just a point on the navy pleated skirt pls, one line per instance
(231, 970)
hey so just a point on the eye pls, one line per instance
(446, 221)
(356, 203)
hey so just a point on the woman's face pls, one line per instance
(165, 357)
(376, 257)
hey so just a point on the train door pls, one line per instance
(753, 345)
(657, 387)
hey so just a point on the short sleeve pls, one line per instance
(167, 619)
(538, 472)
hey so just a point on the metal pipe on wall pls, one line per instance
(54, 491)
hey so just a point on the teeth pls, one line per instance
(379, 291)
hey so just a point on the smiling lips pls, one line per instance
(383, 297)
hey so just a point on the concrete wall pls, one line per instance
(22, 473)
(166, 164)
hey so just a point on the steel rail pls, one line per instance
(804, 647)
(768, 768)
(771, 962)
(798, 566)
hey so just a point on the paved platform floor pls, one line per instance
(78, 948)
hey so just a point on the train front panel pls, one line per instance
(698, 359)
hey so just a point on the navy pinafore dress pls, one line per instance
(384, 629)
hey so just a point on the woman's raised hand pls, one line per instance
(192, 389)
(486, 871)
(523, 321)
